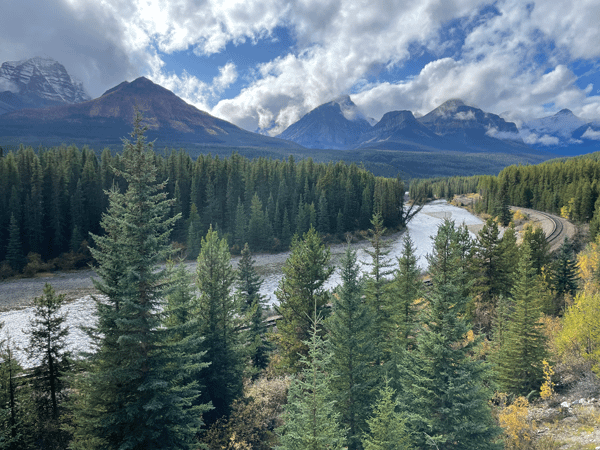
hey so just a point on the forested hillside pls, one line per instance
(383, 361)
(51, 199)
(567, 187)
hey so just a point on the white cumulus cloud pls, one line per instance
(7, 85)
(513, 60)
(591, 134)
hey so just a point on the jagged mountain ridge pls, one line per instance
(334, 125)
(37, 83)
(451, 126)
(400, 130)
(109, 118)
(466, 123)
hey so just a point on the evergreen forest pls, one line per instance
(392, 358)
(51, 199)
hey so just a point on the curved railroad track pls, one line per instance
(555, 229)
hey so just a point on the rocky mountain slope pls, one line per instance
(453, 126)
(37, 83)
(334, 125)
(108, 118)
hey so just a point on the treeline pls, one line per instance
(567, 187)
(50, 200)
(443, 187)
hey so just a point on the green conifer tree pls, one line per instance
(300, 291)
(219, 326)
(441, 383)
(387, 430)
(252, 303)
(14, 430)
(519, 360)
(406, 288)
(258, 235)
(310, 419)
(194, 233)
(490, 275)
(377, 290)
(240, 229)
(564, 279)
(350, 333)
(132, 393)
(538, 247)
(14, 250)
(47, 345)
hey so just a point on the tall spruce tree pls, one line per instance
(377, 294)
(132, 393)
(194, 233)
(564, 277)
(490, 274)
(441, 383)
(407, 287)
(47, 345)
(14, 249)
(300, 291)
(219, 326)
(538, 247)
(310, 419)
(252, 304)
(14, 433)
(350, 336)
(519, 360)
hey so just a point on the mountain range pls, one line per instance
(41, 103)
(109, 118)
(452, 126)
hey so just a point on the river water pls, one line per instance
(79, 312)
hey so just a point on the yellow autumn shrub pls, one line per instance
(513, 419)
(581, 329)
(547, 389)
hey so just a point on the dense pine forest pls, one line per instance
(184, 360)
(53, 198)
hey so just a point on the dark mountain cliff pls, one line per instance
(109, 118)
(334, 125)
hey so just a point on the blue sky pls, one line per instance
(262, 64)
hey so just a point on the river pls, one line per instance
(79, 312)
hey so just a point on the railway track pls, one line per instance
(557, 228)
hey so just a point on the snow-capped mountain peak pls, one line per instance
(41, 82)
(561, 124)
(349, 110)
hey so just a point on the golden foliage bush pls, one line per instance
(513, 419)
(519, 216)
(588, 265)
(547, 389)
(580, 334)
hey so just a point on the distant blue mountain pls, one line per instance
(333, 125)
(452, 126)
(562, 133)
